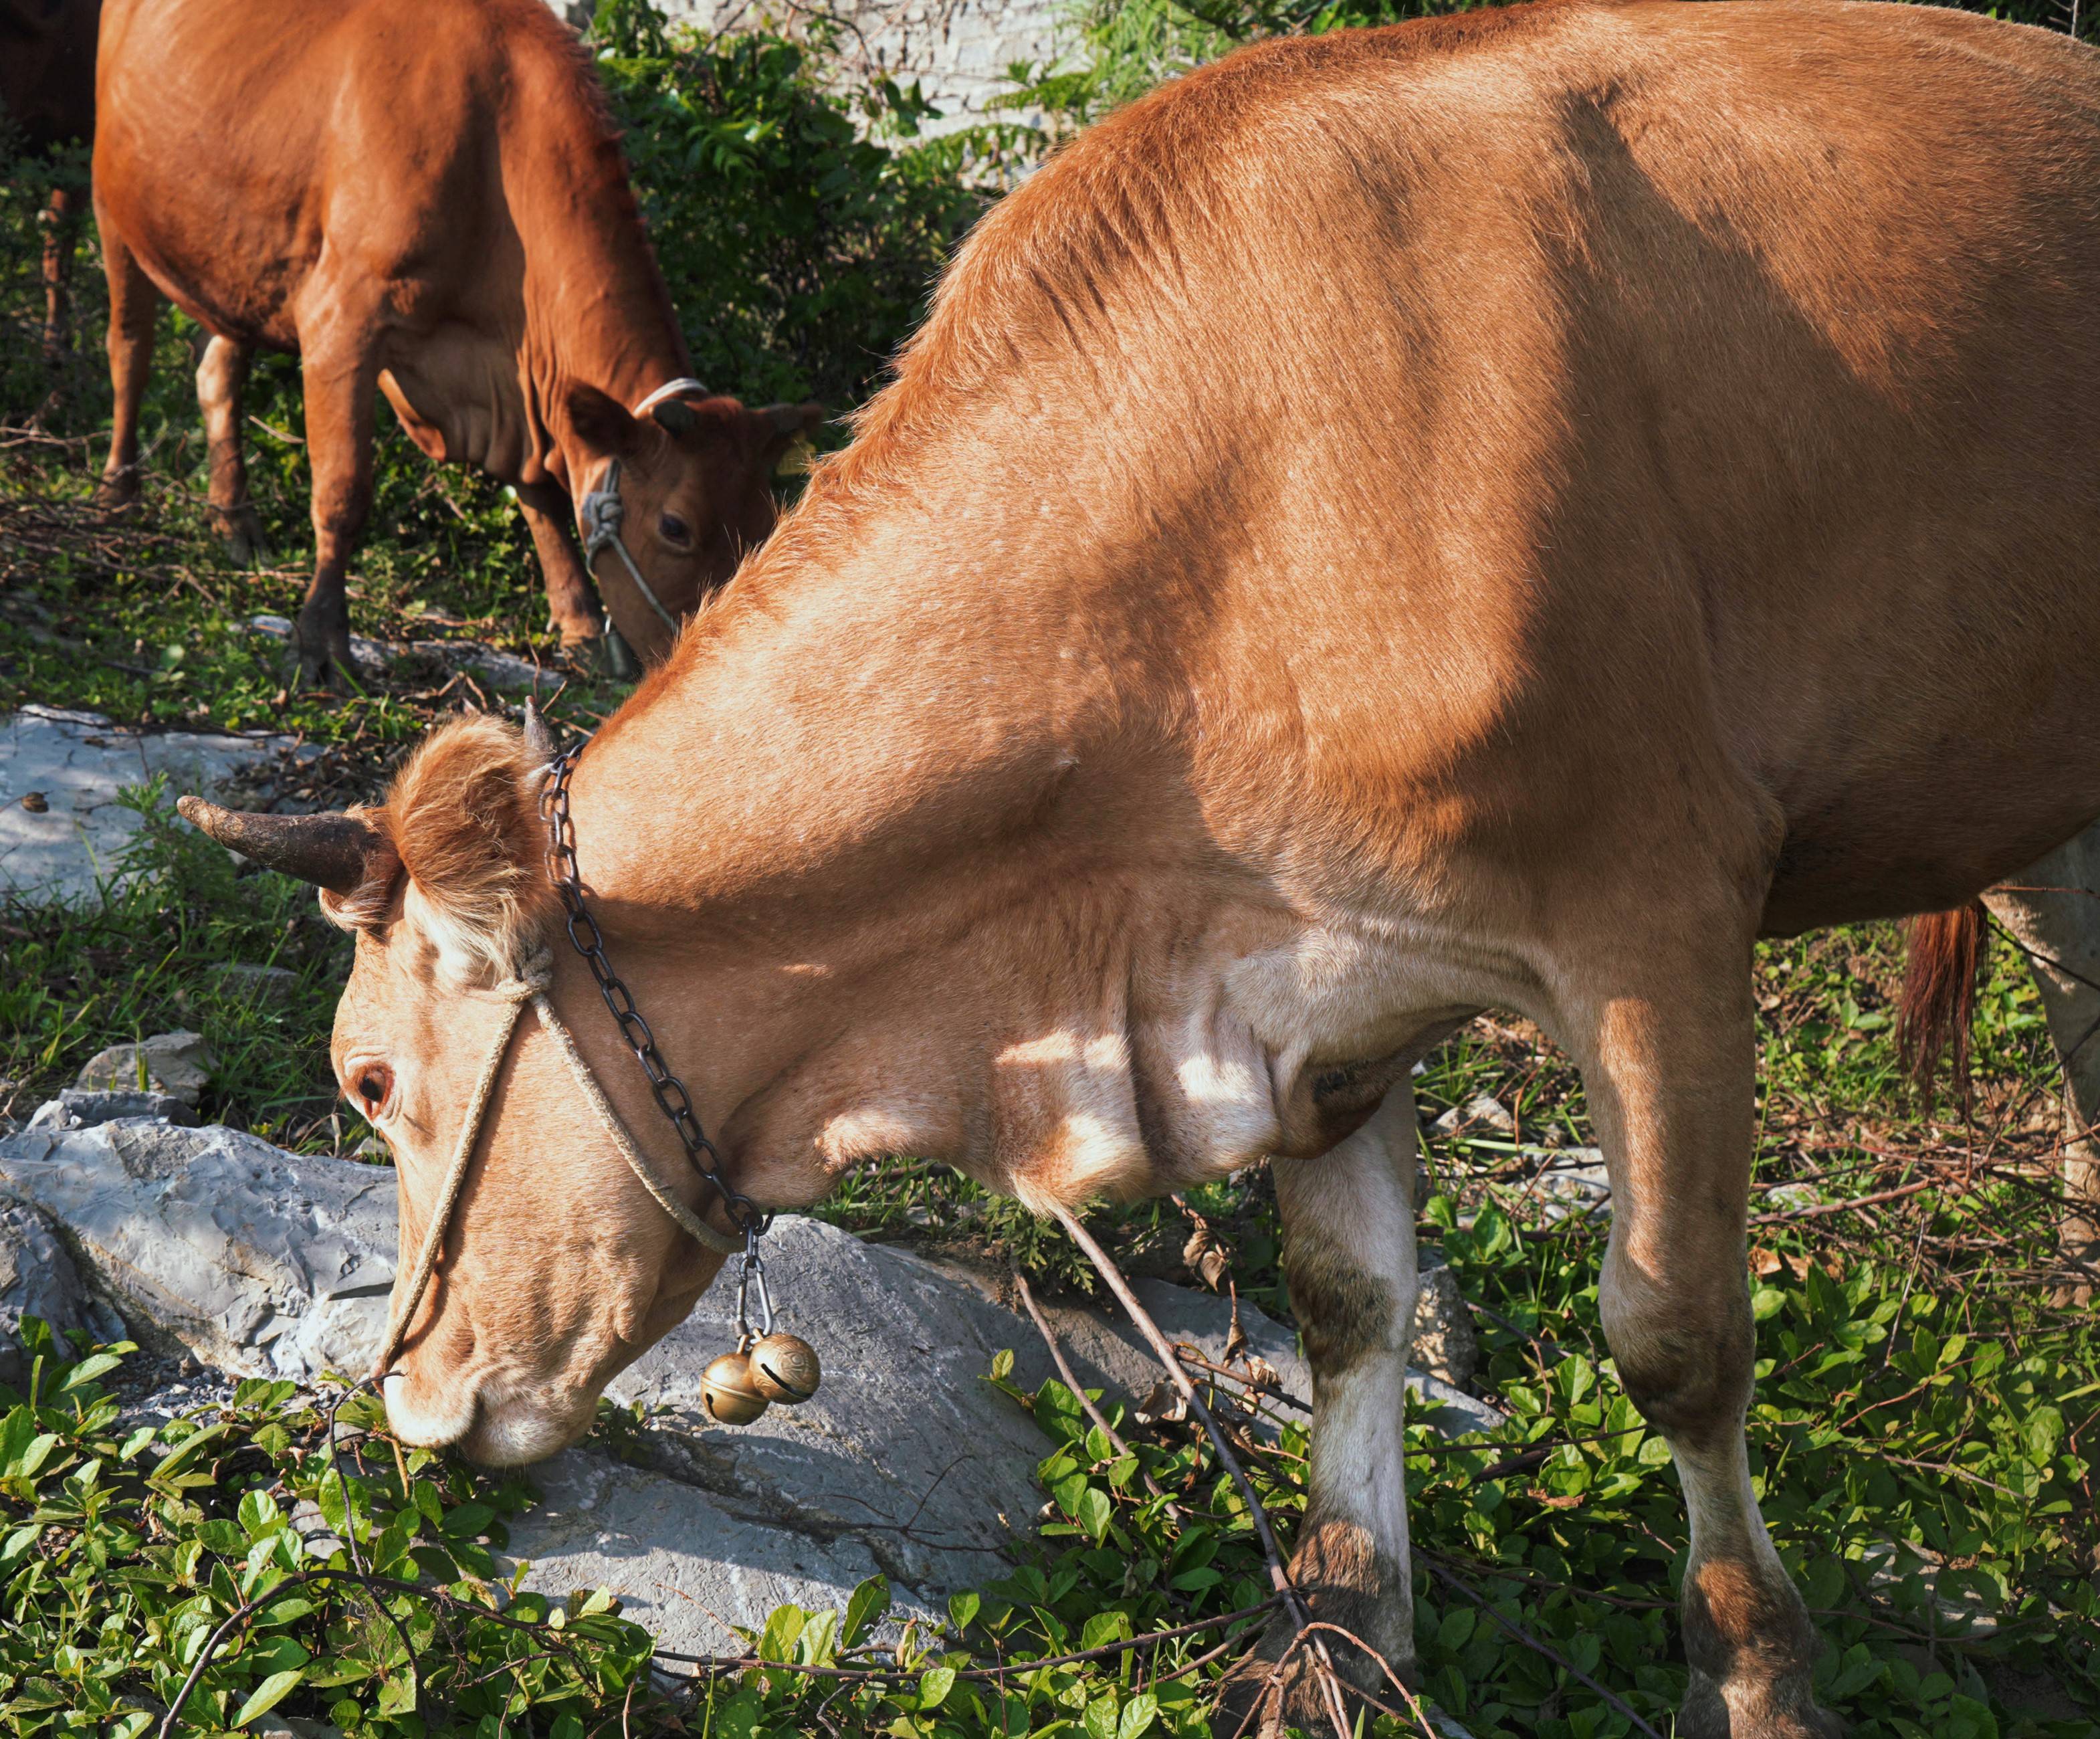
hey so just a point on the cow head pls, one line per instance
(558, 1269)
(696, 494)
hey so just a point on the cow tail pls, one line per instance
(1939, 999)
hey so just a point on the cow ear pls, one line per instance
(600, 422)
(464, 816)
(675, 419)
(778, 427)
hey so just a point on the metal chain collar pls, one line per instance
(672, 1098)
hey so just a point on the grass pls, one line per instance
(149, 956)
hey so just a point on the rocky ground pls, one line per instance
(226, 1257)
(63, 831)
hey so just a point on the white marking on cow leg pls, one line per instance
(221, 378)
(1348, 1249)
(1747, 1636)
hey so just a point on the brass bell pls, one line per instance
(728, 1392)
(783, 1368)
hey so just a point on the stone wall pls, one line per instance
(958, 51)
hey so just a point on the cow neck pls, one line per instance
(821, 754)
(823, 723)
(598, 312)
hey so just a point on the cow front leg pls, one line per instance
(1667, 1044)
(2053, 911)
(340, 376)
(134, 309)
(221, 380)
(571, 599)
(1348, 1255)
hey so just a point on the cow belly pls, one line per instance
(1929, 841)
(1938, 733)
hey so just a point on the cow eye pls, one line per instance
(674, 530)
(371, 1086)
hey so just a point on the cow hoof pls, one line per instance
(615, 660)
(1251, 1700)
(1782, 1709)
(321, 657)
(113, 494)
(1258, 1701)
(242, 531)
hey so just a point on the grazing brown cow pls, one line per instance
(47, 96)
(426, 196)
(1494, 513)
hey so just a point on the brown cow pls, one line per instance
(47, 95)
(425, 196)
(1494, 513)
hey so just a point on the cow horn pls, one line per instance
(331, 851)
(539, 735)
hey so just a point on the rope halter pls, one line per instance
(530, 986)
(604, 514)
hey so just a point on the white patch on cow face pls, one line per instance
(487, 1421)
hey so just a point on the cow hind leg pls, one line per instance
(61, 227)
(571, 600)
(134, 308)
(1348, 1253)
(2052, 909)
(221, 378)
(341, 375)
(1667, 1043)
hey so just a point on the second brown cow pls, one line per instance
(46, 102)
(427, 198)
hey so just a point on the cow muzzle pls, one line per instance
(488, 1420)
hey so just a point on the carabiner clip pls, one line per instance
(751, 1270)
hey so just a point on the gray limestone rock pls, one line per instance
(264, 984)
(1445, 1345)
(1575, 1181)
(38, 1279)
(958, 52)
(1107, 1349)
(907, 1461)
(1482, 1111)
(76, 1110)
(76, 763)
(177, 1064)
(259, 1262)
(373, 657)
(1563, 1182)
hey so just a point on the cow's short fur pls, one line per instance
(425, 198)
(1492, 513)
